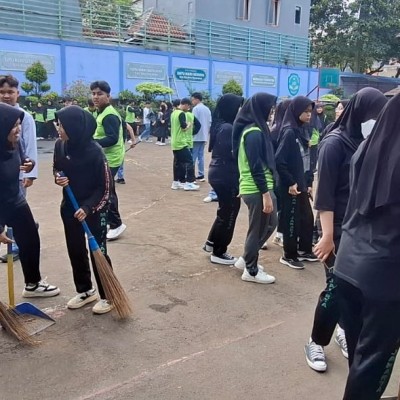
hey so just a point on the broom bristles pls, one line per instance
(11, 322)
(113, 289)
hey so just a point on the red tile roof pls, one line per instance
(151, 23)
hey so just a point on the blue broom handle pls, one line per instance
(92, 241)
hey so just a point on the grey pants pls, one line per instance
(261, 227)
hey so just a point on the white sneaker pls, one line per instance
(83, 298)
(40, 289)
(162, 144)
(190, 186)
(102, 307)
(278, 241)
(176, 185)
(207, 199)
(241, 264)
(261, 277)
(130, 142)
(149, 140)
(158, 143)
(340, 340)
(113, 234)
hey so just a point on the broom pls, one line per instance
(11, 322)
(111, 285)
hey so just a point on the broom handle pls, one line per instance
(93, 245)
(10, 270)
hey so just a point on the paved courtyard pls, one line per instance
(198, 331)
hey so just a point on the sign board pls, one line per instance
(294, 84)
(190, 75)
(263, 80)
(221, 77)
(155, 72)
(16, 61)
(329, 78)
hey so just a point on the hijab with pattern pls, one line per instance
(225, 112)
(255, 111)
(376, 166)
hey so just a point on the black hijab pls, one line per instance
(278, 119)
(376, 166)
(80, 126)
(291, 120)
(255, 111)
(8, 117)
(366, 104)
(225, 112)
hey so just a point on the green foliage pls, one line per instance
(354, 33)
(36, 74)
(78, 90)
(53, 96)
(151, 90)
(107, 15)
(27, 87)
(232, 87)
(33, 100)
(126, 96)
(329, 98)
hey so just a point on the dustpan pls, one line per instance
(34, 319)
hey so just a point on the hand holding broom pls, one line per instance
(112, 287)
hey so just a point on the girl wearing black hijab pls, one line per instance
(295, 184)
(254, 151)
(335, 153)
(223, 176)
(367, 266)
(86, 171)
(14, 210)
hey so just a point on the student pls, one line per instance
(295, 184)
(203, 114)
(253, 149)
(39, 120)
(183, 124)
(83, 163)
(223, 175)
(367, 263)
(130, 117)
(162, 125)
(335, 153)
(14, 209)
(91, 108)
(279, 115)
(147, 121)
(109, 135)
(49, 116)
(317, 125)
(129, 136)
(9, 94)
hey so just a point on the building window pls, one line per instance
(274, 7)
(244, 10)
(190, 7)
(297, 15)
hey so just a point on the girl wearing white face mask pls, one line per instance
(335, 153)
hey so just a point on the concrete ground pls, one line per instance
(198, 331)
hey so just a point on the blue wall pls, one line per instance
(125, 67)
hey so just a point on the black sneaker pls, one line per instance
(121, 180)
(292, 263)
(225, 259)
(311, 257)
(200, 178)
(3, 258)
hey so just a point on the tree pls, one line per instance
(101, 16)
(36, 74)
(232, 87)
(151, 90)
(78, 90)
(355, 33)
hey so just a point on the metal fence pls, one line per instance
(104, 21)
